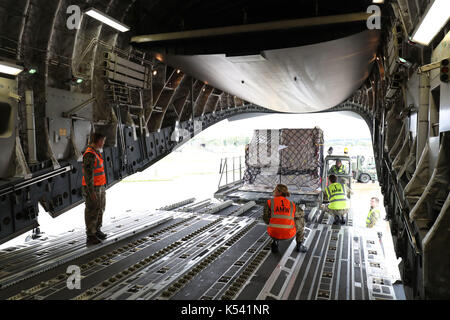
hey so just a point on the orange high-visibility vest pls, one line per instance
(99, 169)
(281, 224)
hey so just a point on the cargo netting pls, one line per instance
(293, 157)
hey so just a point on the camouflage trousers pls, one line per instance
(341, 212)
(300, 225)
(93, 214)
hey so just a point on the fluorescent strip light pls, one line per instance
(435, 19)
(10, 68)
(378, 1)
(96, 14)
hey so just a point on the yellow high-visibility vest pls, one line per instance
(372, 217)
(337, 196)
(336, 170)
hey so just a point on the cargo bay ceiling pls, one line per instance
(276, 55)
(306, 66)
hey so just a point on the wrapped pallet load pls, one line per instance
(293, 157)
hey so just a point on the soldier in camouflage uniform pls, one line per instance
(374, 213)
(299, 218)
(94, 191)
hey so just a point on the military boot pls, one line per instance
(336, 221)
(92, 240)
(101, 235)
(275, 246)
(300, 247)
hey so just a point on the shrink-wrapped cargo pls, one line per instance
(293, 157)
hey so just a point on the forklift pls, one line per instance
(345, 177)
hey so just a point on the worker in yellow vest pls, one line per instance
(94, 192)
(338, 201)
(284, 219)
(338, 168)
(374, 213)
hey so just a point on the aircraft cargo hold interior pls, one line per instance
(200, 121)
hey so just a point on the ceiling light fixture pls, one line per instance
(96, 14)
(74, 81)
(10, 68)
(404, 62)
(433, 21)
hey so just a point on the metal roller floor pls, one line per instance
(199, 251)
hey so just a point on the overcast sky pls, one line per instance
(336, 125)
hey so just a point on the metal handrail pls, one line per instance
(224, 170)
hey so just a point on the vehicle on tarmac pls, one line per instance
(364, 170)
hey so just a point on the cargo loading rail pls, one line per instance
(22, 263)
(222, 253)
(234, 192)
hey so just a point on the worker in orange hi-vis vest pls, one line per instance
(94, 192)
(284, 219)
